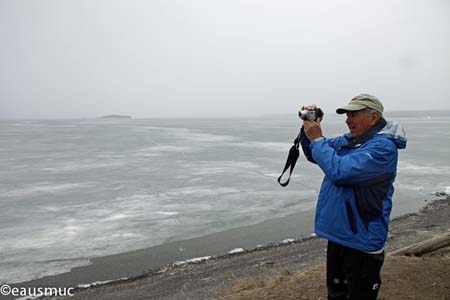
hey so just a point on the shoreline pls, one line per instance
(288, 253)
(152, 259)
(137, 262)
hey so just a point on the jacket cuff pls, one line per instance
(319, 139)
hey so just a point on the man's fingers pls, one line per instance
(308, 107)
(307, 123)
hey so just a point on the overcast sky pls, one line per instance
(200, 58)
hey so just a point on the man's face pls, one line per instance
(359, 122)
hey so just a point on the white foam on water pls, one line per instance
(202, 171)
(97, 283)
(197, 135)
(71, 232)
(44, 187)
(55, 235)
(161, 150)
(115, 217)
(275, 175)
(200, 137)
(73, 166)
(135, 204)
(110, 155)
(218, 167)
(51, 208)
(167, 213)
(128, 236)
(21, 271)
(236, 251)
(287, 241)
(27, 124)
(199, 191)
(146, 154)
(270, 146)
(409, 186)
(193, 135)
(192, 261)
(422, 169)
(135, 197)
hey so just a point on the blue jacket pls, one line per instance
(355, 198)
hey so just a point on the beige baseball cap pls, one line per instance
(360, 102)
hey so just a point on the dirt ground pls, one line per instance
(403, 278)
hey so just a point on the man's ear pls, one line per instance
(374, 118)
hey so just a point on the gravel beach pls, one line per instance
(213, 277)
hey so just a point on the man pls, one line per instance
(354, 202)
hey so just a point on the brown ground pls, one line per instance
(403, 278)
(268, 273)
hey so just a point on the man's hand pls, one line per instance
(312, 128)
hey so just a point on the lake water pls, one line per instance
(72, 190)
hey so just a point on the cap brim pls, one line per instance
(350, 107)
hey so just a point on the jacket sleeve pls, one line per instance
(305, 142)
(372, 160)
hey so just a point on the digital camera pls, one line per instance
(310, 115)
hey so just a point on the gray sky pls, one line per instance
(200, 58)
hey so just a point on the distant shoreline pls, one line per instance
(115, 117)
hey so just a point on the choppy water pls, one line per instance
(71, 190)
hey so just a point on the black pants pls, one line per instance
(352, 274)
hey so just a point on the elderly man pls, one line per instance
(355, 198)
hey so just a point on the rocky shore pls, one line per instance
(217, 277)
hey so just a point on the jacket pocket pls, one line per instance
(351, 217)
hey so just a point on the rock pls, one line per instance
(286, 272)
(440, 194)
(264, 263)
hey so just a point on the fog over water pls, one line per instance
(211, 58)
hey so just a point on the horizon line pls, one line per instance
(128, 116)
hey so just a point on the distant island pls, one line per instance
(116, 117)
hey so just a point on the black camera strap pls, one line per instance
(291, 161)
(294, 153)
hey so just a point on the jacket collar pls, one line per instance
(356, 142)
